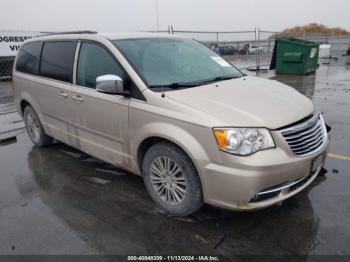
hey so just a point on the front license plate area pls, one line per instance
(318, 162)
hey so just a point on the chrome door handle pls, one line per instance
(78, 98)
(62, 94)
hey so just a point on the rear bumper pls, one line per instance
(261, 180)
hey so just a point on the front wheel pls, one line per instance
(172, 180)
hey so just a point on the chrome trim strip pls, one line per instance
(282, 187)
(307, 143)
(277, 199)
(303, 132)
(301, 126)
(75, 63)
(314, 147)
(85, 128)
(297, 141)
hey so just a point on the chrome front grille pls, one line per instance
(307, 137)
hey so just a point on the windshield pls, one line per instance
(175, 62)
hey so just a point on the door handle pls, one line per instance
(62, 94)
(78, 98)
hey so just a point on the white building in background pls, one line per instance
(10, 41)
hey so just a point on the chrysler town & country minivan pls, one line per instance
(169, 109)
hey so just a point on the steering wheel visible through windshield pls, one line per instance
(175, 62)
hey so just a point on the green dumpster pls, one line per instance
(295, 56)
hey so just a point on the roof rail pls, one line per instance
(69, 32)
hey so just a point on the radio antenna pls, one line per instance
(157, 16)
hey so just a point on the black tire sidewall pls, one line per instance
(194, 199)
(44, 138)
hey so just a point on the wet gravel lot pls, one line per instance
(58, 200)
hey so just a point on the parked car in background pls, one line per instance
(223, 49)
(253, 49)
(244, 50)
(228, 50)
(171, 110)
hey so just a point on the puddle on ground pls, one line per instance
(72, 154)
(97, 180)
(109, 171)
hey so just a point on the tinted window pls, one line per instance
(28, 58)
(57, 60)
(95, 61)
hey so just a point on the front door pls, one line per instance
(101, 119)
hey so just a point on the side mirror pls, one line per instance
(111, 84)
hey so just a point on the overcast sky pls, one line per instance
(136, 15)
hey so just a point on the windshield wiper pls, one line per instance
(174, 85)
(193, 84)
(219, 78)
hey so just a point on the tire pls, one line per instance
(35, 129)
(181, 175)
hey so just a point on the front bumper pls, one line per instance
(238, 182)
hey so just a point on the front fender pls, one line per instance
(173, 133)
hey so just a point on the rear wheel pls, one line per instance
(172, 180)
(35, 129)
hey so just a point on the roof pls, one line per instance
(95, 35)
(128, 35)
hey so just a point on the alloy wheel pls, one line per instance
(168, 180)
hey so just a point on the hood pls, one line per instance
(247, 102)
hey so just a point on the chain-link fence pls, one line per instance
(6, 64)
(339, 45)
(234, 45)
(250, 49)
(253, 49)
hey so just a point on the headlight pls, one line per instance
(243, 141)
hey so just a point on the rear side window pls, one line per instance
(57, 60)
(28, 58)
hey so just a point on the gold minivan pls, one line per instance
(171, 110)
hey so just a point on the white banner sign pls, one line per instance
(11, 41)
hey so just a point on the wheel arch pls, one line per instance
(148, 142)
(23, 104)
(164, 132)
(27, 100)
